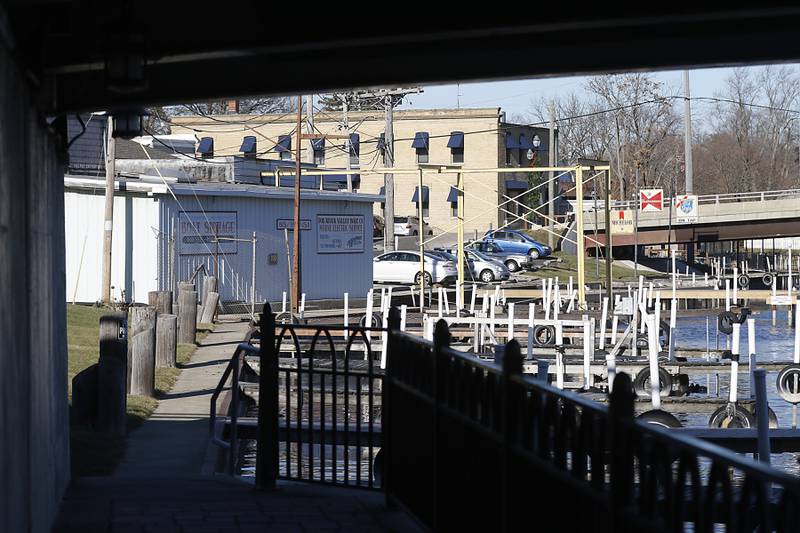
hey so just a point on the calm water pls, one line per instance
(772, 344)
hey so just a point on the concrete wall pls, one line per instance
(484, 147)
(34, 418)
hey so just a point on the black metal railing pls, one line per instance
(463, 434)
(319, 404)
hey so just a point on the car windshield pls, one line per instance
(400, 220)
(434, 255)
(480, 255)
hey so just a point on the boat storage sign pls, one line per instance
(686, 209)
(198, 232)
(340, 234)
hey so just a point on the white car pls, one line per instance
(403, 267)
(410, 226)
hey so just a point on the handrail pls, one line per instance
(706, 199)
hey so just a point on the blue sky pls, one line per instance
(516, 96)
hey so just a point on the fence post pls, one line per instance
(393, 323)
(112, 374)
(267, 447)
(441, 340)
(512, 366)
(620, 414)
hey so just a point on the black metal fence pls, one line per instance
(471, 446)
(320, 395)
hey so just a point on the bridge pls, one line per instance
(721, 217)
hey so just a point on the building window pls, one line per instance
(318, 145)
(452, 199)
(425, 200)
(512, 146)
(421, 145)
(454, 209)
(355, 149)
(456, 145)
(284, 147)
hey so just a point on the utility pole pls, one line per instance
(296, 254)
(388, 179)
(551, 160)
(346, 126)
(310, 129)
(108, 223)
(687, 132)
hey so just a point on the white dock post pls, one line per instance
(510, 320)
(531, 313)
(472, 299)
(735, 285)
(751, 352)
(546, 299)
(446, 301)
(796, 355)
(384, 335)
(559, 356)
(413, 299)
(587, 355)
(458, 298)
(556, 300)
(303, 305)
(762, 415)
(440, 302)
(383, 299)
(603, 320)
(492, 313)
(727, 295)
(657, 313)
(368, 321)
(611, 370)
(403, 313)
(674, 275)
(649, 294)
(283, 303)
(652, 345)
(346, 315)
(614, 326)
(734, 388)
(389, 298)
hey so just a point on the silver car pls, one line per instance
(483, 267)
(513, 261)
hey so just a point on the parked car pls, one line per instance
(518, 242)
(410, 226)
(513, 261)
(449, 255)
(403, 267)
(484, 268)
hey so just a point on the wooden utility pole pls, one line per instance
(551, 187)
(687, 133)
(108, 219)
(295, 289)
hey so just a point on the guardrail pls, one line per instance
(459, 431)
(709, 199)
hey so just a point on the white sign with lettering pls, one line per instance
(340, 234)
(199, 231)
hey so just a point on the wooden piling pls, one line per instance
(209, 307)
(187, 319)
(142, 353)
(166, 340)
(161, 301)
(112, 375)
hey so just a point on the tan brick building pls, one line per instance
(469, 138)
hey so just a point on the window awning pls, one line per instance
(452, 196)
(420, 140)
(525, 143)
(456, 140)
(248, 145)
(206, 145)
(284, 143)
(318, 144)
(424, 194)
(511, 141)
(382, 192)
(517, 185)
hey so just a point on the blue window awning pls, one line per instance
(420, 140)
(525, 143)
(206, 145)
(456, 140)
(517, 185)
(511, 141)
(415, 198)
(452, 196)
(284, 143)
(248, 145)
(318, 144)
(382, 192)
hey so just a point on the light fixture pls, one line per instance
(127, 122)
(125, 63)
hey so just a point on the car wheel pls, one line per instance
(487, 276)
(512, 265)
(428, 279)
(533, 253)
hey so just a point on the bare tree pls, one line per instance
(158, 118)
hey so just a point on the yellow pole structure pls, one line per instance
(581, 251)
(460, 213)
(421, 233)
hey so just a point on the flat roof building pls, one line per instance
(472, 139)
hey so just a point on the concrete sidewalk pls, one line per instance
(174, 441)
